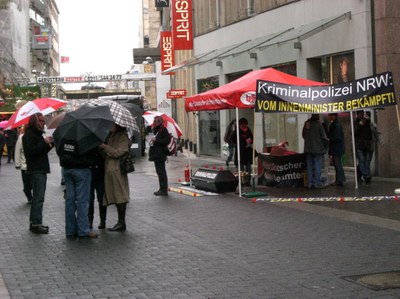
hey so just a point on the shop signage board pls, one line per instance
(167, 51)
(182, 24)
(176, 93)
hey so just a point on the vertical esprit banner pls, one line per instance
(182, 24)
(167, 51)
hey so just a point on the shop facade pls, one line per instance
(308, 39)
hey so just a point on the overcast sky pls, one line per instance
(98, 35)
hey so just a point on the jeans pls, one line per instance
(38, 181)
(314, 166)
(364, 161)
(337, 163)
(77, 183)
(162, 175)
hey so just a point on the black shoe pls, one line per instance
(161, 193)
(72, 237)
(227, 164)
(337, 184)
(39, 229)
(62, 182)
(102, 226)
(119, 227)
(367, 179)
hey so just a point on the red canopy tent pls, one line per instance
(241, 94)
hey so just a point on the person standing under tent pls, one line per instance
(336, 148)
(364, 145)
(315, 147)
(228, 139)
(245, 148)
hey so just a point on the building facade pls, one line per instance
(306, 38)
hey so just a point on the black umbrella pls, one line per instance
(83, 129)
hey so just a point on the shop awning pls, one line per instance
(290, 34)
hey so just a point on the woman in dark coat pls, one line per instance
(158, 153)
(245, 146)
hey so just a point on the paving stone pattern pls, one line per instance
(185, 247)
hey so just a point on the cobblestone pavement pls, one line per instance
(201, 247)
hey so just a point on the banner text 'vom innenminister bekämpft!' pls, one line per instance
(366, 93)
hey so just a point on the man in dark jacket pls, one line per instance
(36, 148)
(78, 177)
(315, 146)
(364, 144)
(158, 154)
(336, 148)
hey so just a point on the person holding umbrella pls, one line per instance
(157, 153)
(116, 182)
(36, 148)
(77, 141)
(78, 178)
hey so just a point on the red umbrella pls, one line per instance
(241, 93)
(42, 105)
(169, 122)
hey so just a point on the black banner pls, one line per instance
(282, 171)
(366, 93)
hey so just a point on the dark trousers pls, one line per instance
(97, 188)
(10, 152)
(337, 163)
(26, 181)
(162, 175)
(38, 181)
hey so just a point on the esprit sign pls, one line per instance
(167, 51)
(182, 26)
(176, 93)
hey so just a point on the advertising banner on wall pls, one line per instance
(366, 93)
(167, 51)
(182, 24)
(42, 40)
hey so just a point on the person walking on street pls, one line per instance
(2, 143)
(364, 145)
(116, 182)
(20, 163)
(157, 154)
(228, 139)
(11, 140)
(315, 147)
(36, 149)
(336, 148)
